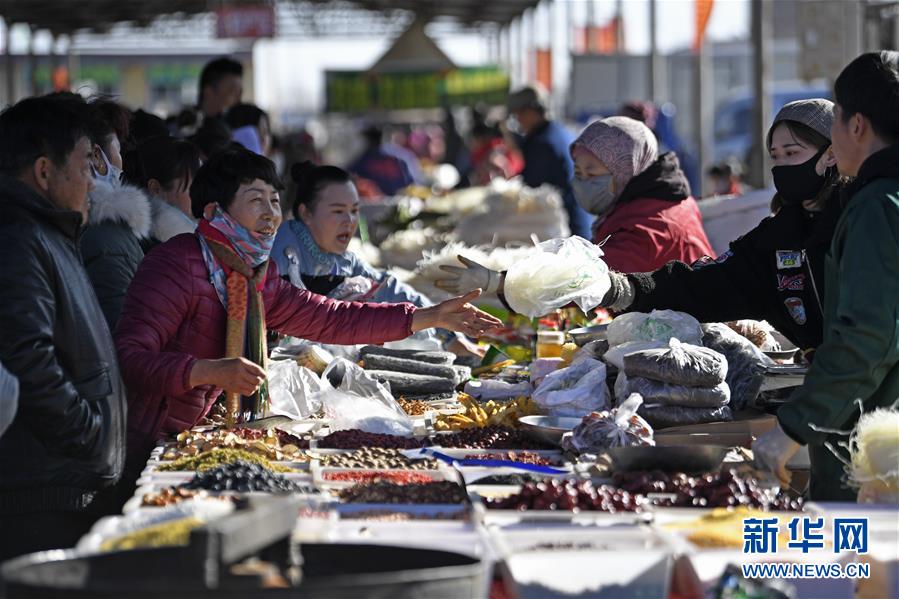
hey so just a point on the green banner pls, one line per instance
(355, 91)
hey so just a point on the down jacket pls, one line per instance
(655, 221)
(111, 245)
(173, 317)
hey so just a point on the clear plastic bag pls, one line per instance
(292, 389)
(355, 400)
(574, 391)
(658, 325)
(745, 363)
(615, 355)
(559, 272)
(678, 364)
(655, 392)
(618, 427)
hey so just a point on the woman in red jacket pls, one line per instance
(195, 317)
(645, 215)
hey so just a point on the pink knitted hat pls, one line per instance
(625, 146)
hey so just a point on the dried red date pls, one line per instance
(491, 437)
(385, 492)
(355, 439)
(568, 495)
(400, 478)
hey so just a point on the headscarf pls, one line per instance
(626, 147)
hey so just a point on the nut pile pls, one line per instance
(216, 457)
(173, 495)
(354, 439)
(243, 477)
(271, 444)
(400, 478)
(492, 437)
(385, 492)
(568, 495)
(414, 407)
(723, 489)
(375, 458)
(491, 413)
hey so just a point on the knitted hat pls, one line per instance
(625, 146)
(817, 114)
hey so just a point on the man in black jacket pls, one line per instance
(66, 444)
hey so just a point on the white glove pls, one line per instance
(473, 276)
(773, 450)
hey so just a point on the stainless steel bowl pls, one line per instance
(585, 335)
(690, 459)
(548, 429)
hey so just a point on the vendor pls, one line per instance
(195, 317)
(311, 250)
(774, 272)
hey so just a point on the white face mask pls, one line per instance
(594, 194)
(103, 170)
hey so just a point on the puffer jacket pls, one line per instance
(173, 317)
(168, 221)
(655, 221)
(67, 440)
(111, 245)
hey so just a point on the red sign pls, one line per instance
(245, 21)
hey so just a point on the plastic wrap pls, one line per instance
(660, 416)
(617, 427)
(745, 363)
(658, 325)
(655, 392)
(292, 389)
(615, 355)
(678, 364)
(574, 391)
(759, 333)
(557, 273)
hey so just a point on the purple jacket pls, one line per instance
(173, 317)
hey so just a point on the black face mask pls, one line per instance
(798, 182)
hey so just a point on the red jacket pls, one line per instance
(655, 221)
(173, 317)
(645, 234)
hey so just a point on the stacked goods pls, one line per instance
(680, 384)
(271, 444)
(412, 373)
(491, 413)
(746, 364)
(356, 439)
(216, 457)
(386, 492)
(376, 458)
(242, 477)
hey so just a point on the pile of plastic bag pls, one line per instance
(574, 391)
(617, 427)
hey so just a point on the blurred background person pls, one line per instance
(221, 86)
(379, 165)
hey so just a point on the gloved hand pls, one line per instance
(473, 276)
(773, 450)
(620, 295)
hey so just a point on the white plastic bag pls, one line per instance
(292, 390)
(353, 399)
(658, 325)
(615, 356)
(618, 427)
(559, 272)
(574, 391)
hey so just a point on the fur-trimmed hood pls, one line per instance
(124, 203)
(168, 221)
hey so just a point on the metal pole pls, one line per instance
(32, 63)
(655, 62)
(703, 111)
(10, 66)
(759, 162)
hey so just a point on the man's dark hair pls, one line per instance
(870, 86)
(311, 180)
(43, 126)
(373, 135)
(245, 115)
(219, 179)
(212, 137)
(163, 158)
(216, 70)
(145, 125)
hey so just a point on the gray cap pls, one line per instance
(532, 96)
(816, 114)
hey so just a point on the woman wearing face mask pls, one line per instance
(119, 213)
(164, 168)
(196, 314)
(772, 273)
(311, 250)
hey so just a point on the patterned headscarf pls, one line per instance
(625, 146)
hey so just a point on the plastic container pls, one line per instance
(549, 344)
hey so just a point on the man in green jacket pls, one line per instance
(859, 357)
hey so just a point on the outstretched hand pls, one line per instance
(456, 314)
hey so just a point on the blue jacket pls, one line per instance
(547, 159)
